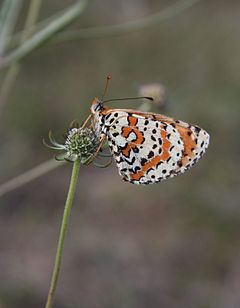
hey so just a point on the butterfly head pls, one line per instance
(97, 106)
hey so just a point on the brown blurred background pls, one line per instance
(173, 244)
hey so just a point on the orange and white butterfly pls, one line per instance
(148, 147)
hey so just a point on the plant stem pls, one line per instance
(118, 29)
(8, 17)
(47, 33)
(30, 175)
(65, 220)
(14, 69)
(127, 27)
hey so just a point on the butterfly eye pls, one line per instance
(97, 105)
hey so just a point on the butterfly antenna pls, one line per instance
(106, 86)
(129, 98)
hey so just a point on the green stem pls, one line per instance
(30, 175)
(8, 17)
(65, 220)
(13, 70)
(118, 29)
(127, 27)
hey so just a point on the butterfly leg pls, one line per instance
(101, 142)
(86, 121)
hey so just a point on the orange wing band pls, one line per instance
(155, 160)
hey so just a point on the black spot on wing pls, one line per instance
(130, 162)
(107, 116)
(143, 161)
(136, 150)
(197, 129)
(150, 154)
(111, 120)
(115, 134)
(149, 170)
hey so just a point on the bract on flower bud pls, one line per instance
(80, 143)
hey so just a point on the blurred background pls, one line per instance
(172, 244)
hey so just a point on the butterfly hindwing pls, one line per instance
(149, 148)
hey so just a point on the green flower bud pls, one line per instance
(81, 142)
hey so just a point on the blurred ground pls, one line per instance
(173, 244)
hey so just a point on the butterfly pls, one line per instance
(147, 147)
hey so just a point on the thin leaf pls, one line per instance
(74, 124)
(51, 146)
(54, 142)
(45, 34)
(60, 157)
(8, 16)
